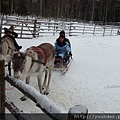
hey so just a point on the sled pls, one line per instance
(62, 66)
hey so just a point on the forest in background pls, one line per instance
(85, 10)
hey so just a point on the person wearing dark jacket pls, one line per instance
(10, 33)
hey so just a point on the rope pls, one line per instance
(38, 62)
(9, 88)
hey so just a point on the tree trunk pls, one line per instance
(11, 7)
(0, 6)
(2, 90)
(93, 9)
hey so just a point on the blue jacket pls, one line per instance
(62, 50)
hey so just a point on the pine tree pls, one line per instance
(22, 9)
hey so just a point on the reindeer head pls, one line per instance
(18, 60)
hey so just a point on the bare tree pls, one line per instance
(0, 6)
(93, 10)
(11, 6)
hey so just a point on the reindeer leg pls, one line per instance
(45, 80)
(39, 82)
(9, 67)
(47, 91)
(24, 98)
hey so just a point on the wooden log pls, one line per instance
(78, 112)
(51, 109)
(2, 90)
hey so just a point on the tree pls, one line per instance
(0, 6)
(11, 6)
(22, 9)
(88, 10)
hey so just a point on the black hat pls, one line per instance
(62, 32)
(6, 31)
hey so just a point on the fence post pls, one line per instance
(70, 29)
(78, 112)
(111, 31)
(94, 30)
(104, 30)
(83, 29)
(1, 26)
(21, 31)
(2, 90)
(34, 29)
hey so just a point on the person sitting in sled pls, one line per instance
(62, 33)
(62, 48)
(10, 33)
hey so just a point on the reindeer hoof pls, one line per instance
(46, 92)
(43, 87)
(23, 98)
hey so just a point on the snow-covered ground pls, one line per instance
(93, 79)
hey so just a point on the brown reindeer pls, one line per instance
(7, 50)
(34, 61)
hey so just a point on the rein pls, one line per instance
(38, 62)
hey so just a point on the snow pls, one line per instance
(40, 99)
(78, 109)
(93, 79)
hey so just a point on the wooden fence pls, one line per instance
(24, 28)
(47, 106)
(29, 28)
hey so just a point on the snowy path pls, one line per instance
(93, 79)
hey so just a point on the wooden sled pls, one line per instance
(61, 65)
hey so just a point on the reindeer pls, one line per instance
(34, 61)
(7, 50)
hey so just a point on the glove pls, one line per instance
(64, 48)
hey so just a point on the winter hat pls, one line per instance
(62, 32)
(6, 30)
